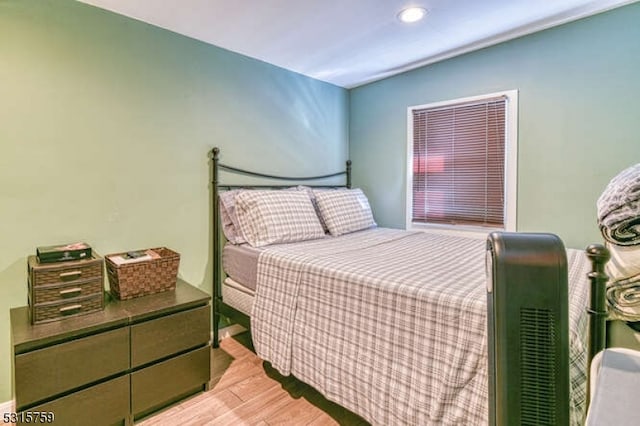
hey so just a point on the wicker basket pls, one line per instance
(131, 280)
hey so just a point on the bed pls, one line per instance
(388, 323)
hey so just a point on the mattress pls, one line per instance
(240, 263)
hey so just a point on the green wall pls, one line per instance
(579, 120)
(105, 125)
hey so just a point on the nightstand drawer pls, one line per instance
(156, 339)
(81, 370)
(103, 404)
(165, 382)
(43, 373)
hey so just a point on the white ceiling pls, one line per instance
(353, 42)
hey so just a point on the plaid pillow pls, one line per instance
(228, 217)
(312, 194)
(269, 217)
(345, 211)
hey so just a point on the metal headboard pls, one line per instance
(219, 307)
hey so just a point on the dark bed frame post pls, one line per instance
(216, 241)
(348, 170)
(597, 310)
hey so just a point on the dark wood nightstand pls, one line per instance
(117, 365)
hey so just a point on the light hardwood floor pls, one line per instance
(246, 391)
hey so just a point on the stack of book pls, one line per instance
(63, 252)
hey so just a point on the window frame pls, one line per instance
(510, 168)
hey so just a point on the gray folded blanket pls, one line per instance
(619, 208)
(623, 297)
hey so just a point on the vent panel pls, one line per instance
(537, 360)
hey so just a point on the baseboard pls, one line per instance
(7, 407)
(230, 330)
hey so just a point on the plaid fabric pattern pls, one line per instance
(268, 217)
(578, 268)
(312, 195)
(619, 208)
(392, 324)
(228, 217)
(344, 211)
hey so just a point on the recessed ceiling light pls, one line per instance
(412, 14)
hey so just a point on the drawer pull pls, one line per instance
(71, 275)
(70, 292)
(70, 309)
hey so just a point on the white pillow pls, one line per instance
(269, 217)
(344, 211)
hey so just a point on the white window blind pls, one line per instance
(459, 164)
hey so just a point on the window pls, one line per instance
(462, 163)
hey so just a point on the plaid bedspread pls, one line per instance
(392, 324)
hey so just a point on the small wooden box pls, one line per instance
(63, 289)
